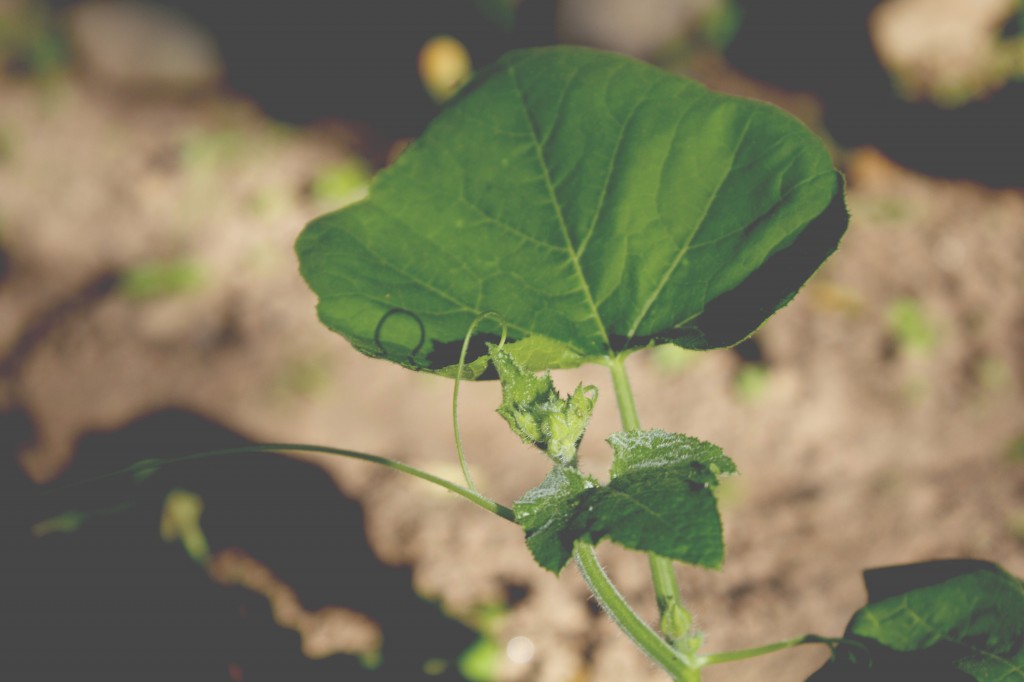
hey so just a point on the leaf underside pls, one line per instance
(595, 203)
(949, 621)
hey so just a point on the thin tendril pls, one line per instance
(458, 381)
(142, 469)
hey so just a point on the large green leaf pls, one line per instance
(596, 203)
(659, 500)
(943, 620)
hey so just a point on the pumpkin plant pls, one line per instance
(570, 206)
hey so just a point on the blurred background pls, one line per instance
(158, 160)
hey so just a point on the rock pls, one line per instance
(142, 47)
(634, 27)
(946, 51)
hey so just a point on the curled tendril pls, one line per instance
(458, 380)
(378, 332)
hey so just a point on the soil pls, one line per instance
(873, 421)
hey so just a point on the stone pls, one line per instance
(141, 46)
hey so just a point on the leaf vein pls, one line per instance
(645, 309)
(601, 200)
(596, 316)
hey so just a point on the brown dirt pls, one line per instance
(855, 449)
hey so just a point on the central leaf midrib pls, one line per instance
(685, 248)
(538, 150)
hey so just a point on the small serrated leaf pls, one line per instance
(638, 449)
(548, 512)
(660, 510)
(660, 498)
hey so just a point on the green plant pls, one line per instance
(911, 326)
(159, 279)
(30, 42)
(573, 207)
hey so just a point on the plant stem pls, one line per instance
(624, 394)
(728, 656)
(666, 587)
(677, 664)
(147, 466)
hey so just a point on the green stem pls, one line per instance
(728, 656)
(677, 664)
(148, 466)
(675, 619)
(624, 394)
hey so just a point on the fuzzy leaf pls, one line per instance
(593, 202)
(547, 514)
(537, 414)
(941, 620)
(659, 511)
(660, 498)
(701, 461)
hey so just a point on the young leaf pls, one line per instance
(595, 203)
(537, 414)
(702, 462)
(659, 511)
(941, 620)
(660, 498)
(547, 514)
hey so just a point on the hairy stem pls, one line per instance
(675, 619)
(146, 467)
(677, 664)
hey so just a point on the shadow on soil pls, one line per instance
(111, 601)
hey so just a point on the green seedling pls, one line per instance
(341, 183)
(721, 23)
(752, 381)
(1015, 450)
(569, 207)
(910, 325)
(574, 207)
(206, 150)
(179, 522)
(30, 42)
(481, 662)
(158, 280)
